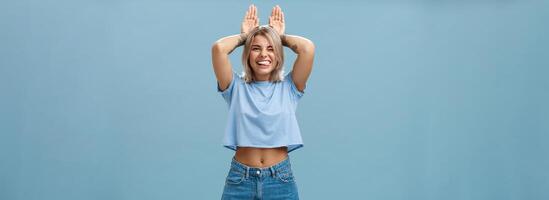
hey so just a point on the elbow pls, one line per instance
(308, 47)
(217, 47)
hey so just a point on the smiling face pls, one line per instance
(262, 58)
(263, 55)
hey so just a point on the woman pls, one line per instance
(262, 127)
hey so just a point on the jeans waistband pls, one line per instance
(281, 166)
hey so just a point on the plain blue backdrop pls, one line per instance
(408, 100)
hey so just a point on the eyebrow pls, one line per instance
(255, 45)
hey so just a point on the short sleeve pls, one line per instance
(288, 79)
(228, 93)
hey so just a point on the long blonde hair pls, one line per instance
(274, 39)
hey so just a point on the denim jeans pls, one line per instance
(269, 183)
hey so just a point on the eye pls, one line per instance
(255, 49)
(270, 49)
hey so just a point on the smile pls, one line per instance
(264, 63)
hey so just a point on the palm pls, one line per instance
(250, 20)
(276, 20)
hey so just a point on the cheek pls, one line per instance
(253, 55)
(272, 54)
(273, 58)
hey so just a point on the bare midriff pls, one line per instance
(260, 157)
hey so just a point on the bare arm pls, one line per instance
(224, 46)
(220, 58)
(303, 65)
(303, 47)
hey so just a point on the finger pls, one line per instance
(279, 13)
(282, 17)
(254, 11)
(273, 11)
(249, 12)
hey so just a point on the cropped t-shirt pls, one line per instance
(262, 114)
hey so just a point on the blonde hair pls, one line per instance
(274, 38)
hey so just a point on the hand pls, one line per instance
(276, 20)
(250, 20)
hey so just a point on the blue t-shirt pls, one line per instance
(262, 114)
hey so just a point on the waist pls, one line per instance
(260, 157)
(282, 166)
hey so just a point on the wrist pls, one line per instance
(242, 38)
(283, 39)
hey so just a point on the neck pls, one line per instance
(262, 78)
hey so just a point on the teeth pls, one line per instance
(266, 62)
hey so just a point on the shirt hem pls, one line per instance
(291, 147)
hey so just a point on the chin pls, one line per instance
(263, 71)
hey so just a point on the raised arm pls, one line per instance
(303, 65)
(224, 46)
(303, 47)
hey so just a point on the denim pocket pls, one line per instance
(285, 176)
(234, 177)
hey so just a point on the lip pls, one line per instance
(264, 66)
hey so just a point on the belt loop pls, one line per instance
(272, 171)
(247, 171)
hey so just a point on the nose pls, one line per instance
(263, 53)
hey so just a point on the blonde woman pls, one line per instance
(262, 127)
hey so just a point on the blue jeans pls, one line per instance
(269, 183)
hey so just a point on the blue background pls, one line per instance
(407, 100)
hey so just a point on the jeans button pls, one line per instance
(258, 172)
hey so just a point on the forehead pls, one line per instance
(261, 40)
